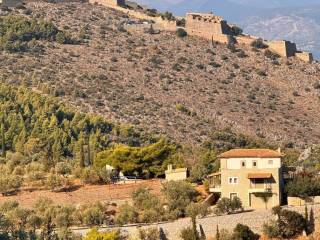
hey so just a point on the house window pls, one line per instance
(233, 180)
(243, 164)
(270, 162)
(254, 164)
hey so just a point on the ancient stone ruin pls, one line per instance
(214, 28)
(111, 3)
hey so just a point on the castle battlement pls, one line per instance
(214, 28)
(205, 17)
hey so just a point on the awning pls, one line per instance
(214, 174)
(259, 175)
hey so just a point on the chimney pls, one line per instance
(170, 167)
(279, 149)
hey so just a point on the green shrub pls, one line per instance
(178, 194)
(149, 234)
(289, 224)
(92, 214)
(64, 37)
(127, 214)
(9, 184)
(271, 229)
(188, 234)
(236, 30)
(90, 176)
(243, 232)
(303, 187)
(149, 206)
(227, 206)
(259, 44)
(95, 235)
(271, 55)
(17, 31)
(54, 182)
(181, 33)
(63, 168)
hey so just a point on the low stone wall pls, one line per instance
(159, 23)
(246, 40)
(305, 56)
(296, 201)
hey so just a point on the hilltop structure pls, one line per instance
(111, 3)
(214, 28)
(253, 175)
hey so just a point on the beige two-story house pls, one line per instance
(253, 175)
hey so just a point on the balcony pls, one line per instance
(215, 182)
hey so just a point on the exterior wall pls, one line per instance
(166, 25)
(296, 201)
(176, 176)
(305, 56)
(246, 40)
(263, 163)
(243, 188)
(283, 48)
(159, 23)
(232, 168)
(208, 26)
(109, 2)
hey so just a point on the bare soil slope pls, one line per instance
(184, 88)
(116, 193)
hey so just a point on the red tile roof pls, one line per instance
(251, 153)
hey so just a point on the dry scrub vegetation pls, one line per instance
(182, 87)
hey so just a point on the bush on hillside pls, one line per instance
(127, 214)
(259, 44)
(9, 184)
(17, 31)
(181, 33)
(178, 194)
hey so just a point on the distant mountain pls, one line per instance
(298, 25)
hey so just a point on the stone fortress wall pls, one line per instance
(207, 26)
(159, 23)
(214, 28)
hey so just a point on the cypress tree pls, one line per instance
(217, 233)
(81, 156)
(3, 139)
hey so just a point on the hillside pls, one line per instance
(183, 88)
